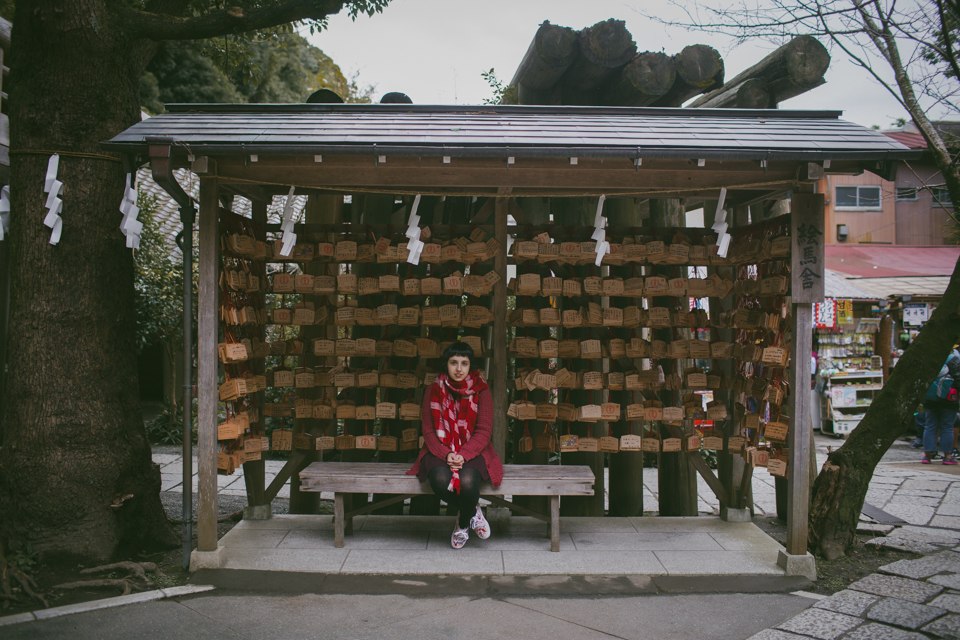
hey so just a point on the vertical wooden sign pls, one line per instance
(807, 273)
(807, 256)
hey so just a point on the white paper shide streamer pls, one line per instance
(720, 226)
(600, 233)
(289, 237)
(129, 225)
(4, 211)
(53, 188)
(414, 243)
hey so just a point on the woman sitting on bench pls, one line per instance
(457, 454)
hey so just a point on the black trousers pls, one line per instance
(468, 498)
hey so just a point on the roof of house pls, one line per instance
(891, 261)
(911, 286)
(836, 286)
(908, 139)
(497, 131)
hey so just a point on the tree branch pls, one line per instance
(153, 26)
(948, 42)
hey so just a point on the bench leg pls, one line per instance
(554, 523)
(338, 520)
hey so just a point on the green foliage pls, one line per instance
(181, 73)
(167, 428)
(502, 93)
(283, 68)
(158, 283)
(25, 558)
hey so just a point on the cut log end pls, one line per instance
(699, 65)
(608, 44)
(557, 46)
(644, 79)
(807, 60)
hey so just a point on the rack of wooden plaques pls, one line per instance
(326, 351)
(665, 348)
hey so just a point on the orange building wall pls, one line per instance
(879, 226)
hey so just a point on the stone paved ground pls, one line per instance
(908, 599)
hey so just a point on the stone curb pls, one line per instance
(105, 603)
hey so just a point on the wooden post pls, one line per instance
(320, 209)
(807, 271)
(499, 389)
(207, 328)
(254, 472)
(625, 467)
(677, 477)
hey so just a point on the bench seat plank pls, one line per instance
(386, 478)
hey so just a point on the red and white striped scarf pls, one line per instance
(453, 406)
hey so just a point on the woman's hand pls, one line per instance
(455, 461)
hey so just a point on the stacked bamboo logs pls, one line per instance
(600, 66)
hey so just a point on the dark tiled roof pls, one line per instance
(523, 131)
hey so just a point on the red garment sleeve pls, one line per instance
(483, 429)
(430, 438)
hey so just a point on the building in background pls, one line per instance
(913, 208)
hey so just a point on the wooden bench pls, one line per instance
(390, 478)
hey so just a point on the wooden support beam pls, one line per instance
(677, 479)
(484, 212)
(499, 386)
(254, 472)
(807, 287)
(707, 474)
(207, 334)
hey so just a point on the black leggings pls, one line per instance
(469, 496)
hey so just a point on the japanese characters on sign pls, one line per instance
(807, 261)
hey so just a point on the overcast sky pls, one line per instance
(435, 50)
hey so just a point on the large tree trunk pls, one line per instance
(840, 488)
(74, 438)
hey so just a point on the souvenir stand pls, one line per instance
(615, 321)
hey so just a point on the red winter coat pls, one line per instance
(479, 444)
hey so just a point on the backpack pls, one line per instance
(942, 387)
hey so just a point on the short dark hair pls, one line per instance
(458, 349)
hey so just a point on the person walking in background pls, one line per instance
(941, 403)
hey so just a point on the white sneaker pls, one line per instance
(479, 524)
(459, 537)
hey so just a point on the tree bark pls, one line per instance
(642, 81)
(74, 437)
(840, 488)
(794, 68)
(699, 69)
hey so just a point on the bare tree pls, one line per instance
(909, 48)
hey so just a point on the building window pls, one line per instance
(862, 198)
(906, 193)
(941, 197)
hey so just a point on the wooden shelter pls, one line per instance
(521, 164)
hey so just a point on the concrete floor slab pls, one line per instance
(503, 541)
(256, 538)
(706, 524)
(315, 539)
(462, 561)
(290, 521)
(747, 540)
(644, 541)
(719, 562)
(311, 560)
(580, 562)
